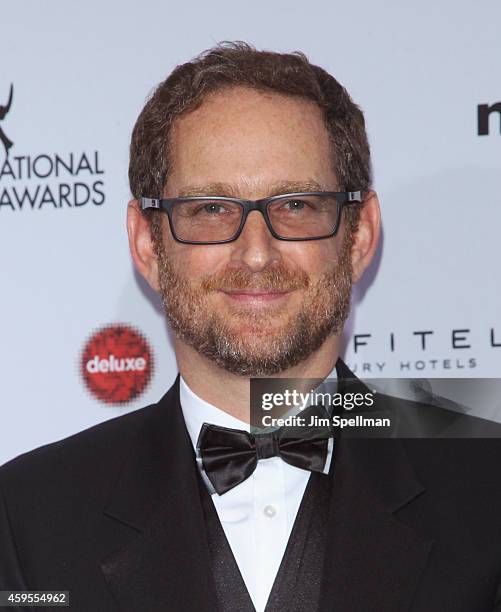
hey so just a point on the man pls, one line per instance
(157, 510)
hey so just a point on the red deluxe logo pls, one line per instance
(117, 364)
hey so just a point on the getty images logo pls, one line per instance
(116, 364)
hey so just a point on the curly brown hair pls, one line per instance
(239, 64)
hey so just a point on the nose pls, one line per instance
(256, 247)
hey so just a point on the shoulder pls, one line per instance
(76, 461)
(453, 453)
(436, 418)
(91, 453)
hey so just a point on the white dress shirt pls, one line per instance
(258, 514)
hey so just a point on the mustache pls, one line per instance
(271, 279)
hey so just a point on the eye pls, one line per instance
(294, 205)
(210, 209)
(213, 208)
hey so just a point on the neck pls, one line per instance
(230, 392)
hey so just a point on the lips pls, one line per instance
(255, 295)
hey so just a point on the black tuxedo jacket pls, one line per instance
(113, 514)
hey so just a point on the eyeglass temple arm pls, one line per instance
(354, 196)
(149, 203)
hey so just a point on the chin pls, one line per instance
(263, 327)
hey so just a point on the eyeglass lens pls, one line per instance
(210, 220)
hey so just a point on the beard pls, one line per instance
(275, 339)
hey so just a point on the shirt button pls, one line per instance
(269, 511)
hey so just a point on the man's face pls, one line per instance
(258, 305)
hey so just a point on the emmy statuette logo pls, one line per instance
(7, 143)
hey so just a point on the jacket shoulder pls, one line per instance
(88, 453)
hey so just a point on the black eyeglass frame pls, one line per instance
(343, 198)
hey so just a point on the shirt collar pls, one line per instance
(197, 411)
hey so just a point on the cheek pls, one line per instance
(315, 257)
(195, 262)
(190, 261)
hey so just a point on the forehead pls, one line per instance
(250, 139)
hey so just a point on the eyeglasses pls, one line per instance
(217, 219)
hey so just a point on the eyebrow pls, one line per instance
(225, 189)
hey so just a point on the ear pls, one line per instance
(366, 238)
(141, 245)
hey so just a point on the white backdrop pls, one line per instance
(81, 73)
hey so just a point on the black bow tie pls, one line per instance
(229, 456)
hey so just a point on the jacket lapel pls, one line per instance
(160, 559)
(163, 562)
(374, 561)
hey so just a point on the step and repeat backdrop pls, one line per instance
(82, 339)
